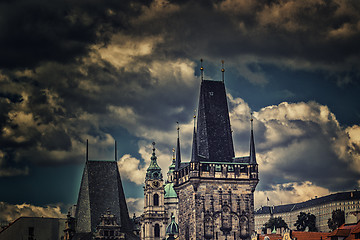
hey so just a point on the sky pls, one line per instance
(129, 70)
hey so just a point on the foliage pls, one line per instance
(276, 222)
(337, 219)
(306, 220)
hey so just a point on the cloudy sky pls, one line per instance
(129, 70)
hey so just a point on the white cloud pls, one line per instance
(9, 212)
(300, 145)
(130, 168)
(135, 205)
(292, 192)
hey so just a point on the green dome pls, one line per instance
(173, 227)
(169, 191)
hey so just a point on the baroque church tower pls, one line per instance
(154, 218)
(215, 189)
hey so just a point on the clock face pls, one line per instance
(156, 184)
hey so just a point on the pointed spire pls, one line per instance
(173, 156)
(178, 154)
(194, 157)
(87, 150)
(153, 153)
(154, 170)
(202, 70)
(252, 143)
(115, 151)
(222, 71)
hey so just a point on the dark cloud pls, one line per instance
(76, 70)
(322, 32)
(37, 31)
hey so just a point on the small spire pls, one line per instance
(173, 155)
(251, 121)
(178, 129)
(194, 145)
(202, 69)
(178, 154)
(222, 70)
(87, 150)
(115, 151)
(153, 143)
(252, 143)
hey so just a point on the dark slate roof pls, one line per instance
(336, 197)
(241, 160)
(101, 190)
(214, 137)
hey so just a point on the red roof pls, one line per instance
(309, 235)
(271, 236)
(347, 231)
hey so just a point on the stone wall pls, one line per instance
(220, 209)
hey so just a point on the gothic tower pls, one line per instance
(215, 189)
(170, 198)
(154, 219)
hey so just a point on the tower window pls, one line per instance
(156, 199)
(157, 230)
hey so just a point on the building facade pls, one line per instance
(34, 228)
(154, 219)
(321, 207)
(215, 189)
(160, 201)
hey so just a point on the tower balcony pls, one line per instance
(216, 170)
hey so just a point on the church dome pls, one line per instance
(173, 227)
(169, 191)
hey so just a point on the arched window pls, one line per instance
(156, 199)
(157, 230)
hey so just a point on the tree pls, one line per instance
(337, 219)
(306, 220)
(276, 222)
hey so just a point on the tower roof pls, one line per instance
(214, 137)
(173, 227)
(252, 145)
(169, 191)
(154, 170)
(101, 190)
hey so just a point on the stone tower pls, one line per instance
(215, 189)
(154, 219)
(101, 191)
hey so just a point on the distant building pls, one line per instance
(321, 207)
(34, 228)
(291, 235)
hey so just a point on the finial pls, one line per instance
(202, 70)
(251, 121)
(178, 129)
(87, 149)
(153, 143)
(173, 152)
(222, 70)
